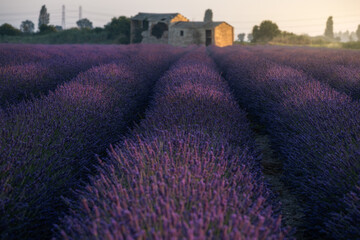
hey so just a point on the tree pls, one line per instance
(45, 29)
(7, 29)
(84, 24)
(208, 17)
(59, 28)
(27, 26)
(119, 28)
(265, 32)
(98, 30)
(44, 17)
(358, 32)
(329, 30)
(241, 37)
(250, 37)
(159, 29)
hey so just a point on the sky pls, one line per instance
(298, 16)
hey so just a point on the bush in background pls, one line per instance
(7, 29)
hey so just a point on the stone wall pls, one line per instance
(190, 37)
(148, 38)
(224, 35)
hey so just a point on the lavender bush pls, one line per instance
(18, 54)
(47, 146)
(345, 225)
(339, 69)
(12, 54)
(316, 130)
(50, 66)
(188, 171)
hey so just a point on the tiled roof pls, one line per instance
(155, 16)
(196, 24)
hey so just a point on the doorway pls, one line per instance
(208, 35)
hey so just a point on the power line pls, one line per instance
(18, 13)
(33, 13)
(101, 14)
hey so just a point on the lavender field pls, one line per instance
(158, 142)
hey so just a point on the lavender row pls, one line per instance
(188, 171)
(316, 130)
(13, 54)
(48, 146)
(338, 68)
(18, 54)
(25, 79)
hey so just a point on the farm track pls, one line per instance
(272, 168)
(190, 138)
(260, 114)
(313, 127)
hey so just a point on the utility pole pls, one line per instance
(80, 12)
(63, 17)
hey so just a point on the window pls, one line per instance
(181, 33)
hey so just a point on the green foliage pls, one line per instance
(329, 30)
(27, 26)
(115, 32)
(75, 35)
(44, 17)
(9, 30)
(158, 30)
(46, 29)
(119, 29)
(68, 36)
(265, 32)
(84, 24)
(351, 45)
(286, 38)
(58, 28)
(98, 30)
(292, 39)
(358, 32)
(137, 36)
(241, 37)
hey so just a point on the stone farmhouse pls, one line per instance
(177, 30)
